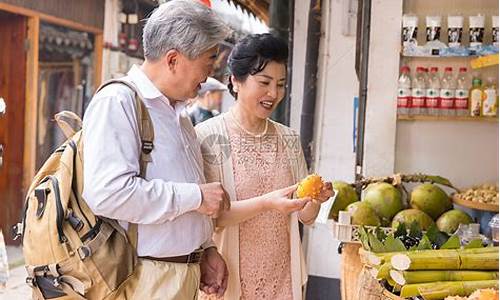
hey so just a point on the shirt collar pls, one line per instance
(145, 86)
(149, 91)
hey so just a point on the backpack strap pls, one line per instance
(146, 133)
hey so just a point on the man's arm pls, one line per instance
(112, 186)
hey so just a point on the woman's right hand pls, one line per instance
(280, 200)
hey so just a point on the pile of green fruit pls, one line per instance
(383, 204)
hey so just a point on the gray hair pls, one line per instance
(187, 26)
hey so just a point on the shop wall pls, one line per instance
(333, 142)
(466, 152)
(86, 12)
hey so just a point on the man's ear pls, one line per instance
(171, 59)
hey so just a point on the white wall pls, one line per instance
(383, 69)
(464, 152)
(334, 157)
(299, 57)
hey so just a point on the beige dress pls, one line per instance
(264, 254)
(260, 166)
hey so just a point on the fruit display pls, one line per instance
(484, 193)
(411, 215)
(310, 186)
(345, 195)
(392, 204)
(434, 266)
(363, 214)
(385, 199)
(449, 221)
(430, 199)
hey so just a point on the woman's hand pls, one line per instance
(326, 192)
(280, 200)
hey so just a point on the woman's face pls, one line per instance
(261, 93)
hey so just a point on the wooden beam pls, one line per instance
(48, 18)
(31, 104)
(98, 51)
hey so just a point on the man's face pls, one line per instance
(190, 73)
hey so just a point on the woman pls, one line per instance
(259, 163)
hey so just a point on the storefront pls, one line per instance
(50, 60)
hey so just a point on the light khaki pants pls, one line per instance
(166, 281)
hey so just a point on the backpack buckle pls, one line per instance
(84, 252)
(147, 147)
(16, 231)
(41, 197)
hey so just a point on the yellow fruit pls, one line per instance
(310, 187)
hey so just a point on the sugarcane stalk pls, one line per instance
(442, 289)
(383, 271)
(377, 259)
(445, 260)
(411, 277)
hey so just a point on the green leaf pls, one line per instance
(394, 245)
(476, 243)
(415, 230)
(381, 236)
(375, 245)
(436, 237)
(424, 244)
(440, 180)
(400, 231)
(363, 237)
(452, 243)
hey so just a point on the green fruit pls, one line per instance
(411, 215)
(430, 199)
(363, 214)
(345, 196)
(449, 221)
(385, 199)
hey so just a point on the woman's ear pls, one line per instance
(235, 84)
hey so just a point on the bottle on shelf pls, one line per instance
(462, 93)
(418, 91)
(447, 93)
(432, 94)
(404, 91)
(490, 99)
(476, 97)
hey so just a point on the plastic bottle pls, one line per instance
(432, 95)
(462, 93)
(476, 97)
(447, 93)
(490, 99)
(418, 91)
(404, 91)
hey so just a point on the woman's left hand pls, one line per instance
(326, 192)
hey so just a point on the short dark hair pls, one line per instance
(252, 54)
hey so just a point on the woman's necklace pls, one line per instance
(246, 131)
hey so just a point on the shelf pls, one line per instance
(448, 118)
(466, 53)
(484, 61)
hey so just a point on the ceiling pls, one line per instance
(260, 8)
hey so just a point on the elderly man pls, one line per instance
(172, 205)
(207, 104)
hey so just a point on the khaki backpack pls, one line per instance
(69, 252)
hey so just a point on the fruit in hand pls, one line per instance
(310, 187)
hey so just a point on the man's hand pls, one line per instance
(214, 273)
(214, 199)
